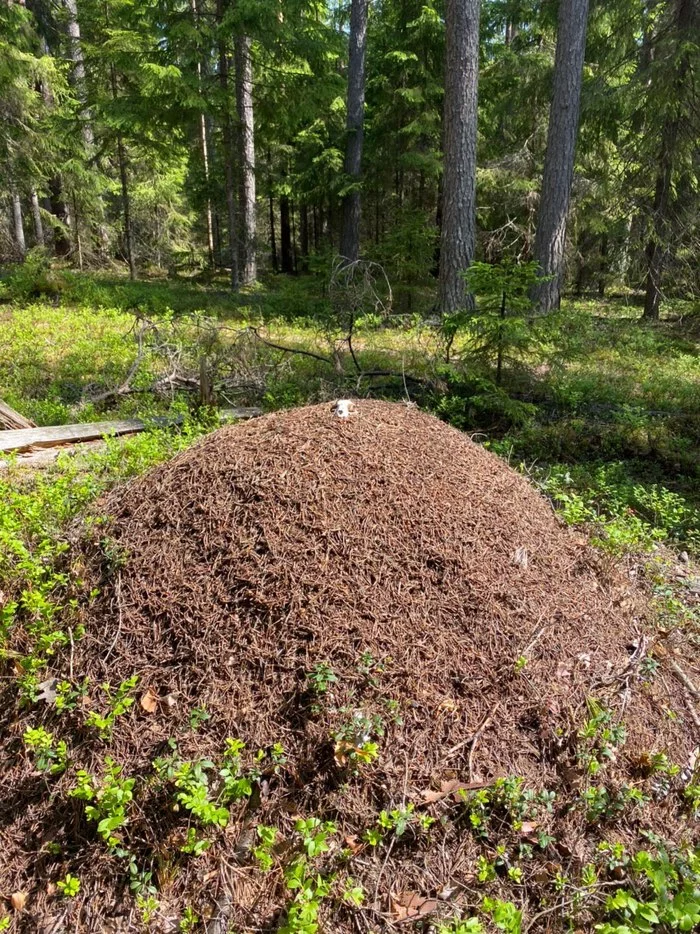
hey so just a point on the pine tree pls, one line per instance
(550, 240)
(352, 201)
(458, 234)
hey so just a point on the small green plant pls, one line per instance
(692, 796)
(107, 799)
(48, 757)
(321, 678)
(69, 886)
(599, 737)
(353, 739)
(315, 835)
(263, 851)
(118, 703)
(666, 895)
(504, 915)
(148, 906)
(194, 845)
(198, 716)
(188, 921)
(191, 782)
(310, 889)
(461, 926)
(396, 822)
(353, 894)
(602, 804)
(68, 697)
(236, 784)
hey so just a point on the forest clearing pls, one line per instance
(349, 467)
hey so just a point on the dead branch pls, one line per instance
(11, 418)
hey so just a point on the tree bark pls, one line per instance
(458, 233)
(18, 224)
(656, 249)
(204, 147)
(273, 240)
(557, 178)
(60, 211)
(36, 216)
(304, 235)
(246, 156)
(352, 202)
(126, 207)
(287, 259)
(228, 155)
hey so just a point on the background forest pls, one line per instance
(201, 135)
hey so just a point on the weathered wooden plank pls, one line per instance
(29, 438)
(11, 419)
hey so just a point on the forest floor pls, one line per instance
(603, 418)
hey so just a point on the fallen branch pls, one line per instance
(11, 419)
(683, 678)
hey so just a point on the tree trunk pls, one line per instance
(603, 269)
(18, 224)
(286, 236)
(246, 155)
(227, 134)
(204, 146)
(304, 229)
(352, 205)
(126, 208)
(550, 238)
(36, 215)
(60, 212)
(685, 14)
(458, 232)
(75, 51)
(273, 239)
(124, 180)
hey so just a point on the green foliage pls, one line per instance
(599, 737)
(625, 515)
(666, 895)
(68, 886)
(188, 921)
(47, 756)
(395, 823)
(263, 851)
(321, 677)
(107, 800)
(608, 804)
(118, 702)
(191, 782)
(501, 331)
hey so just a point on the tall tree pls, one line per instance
(352, 203)
(246, 156)
(557, 178)
(227, 141)
(683, 36)
(18, 224)
(458, 233)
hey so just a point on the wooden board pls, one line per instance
(28, 438)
